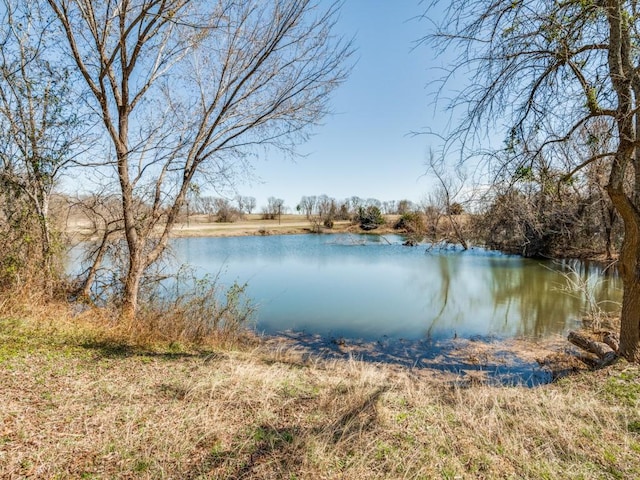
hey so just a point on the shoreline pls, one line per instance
(528, 362)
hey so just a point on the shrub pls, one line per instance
(370, 217)
(410, 222)
(455, 209)
(27, 256)
(203, 311)
(225, 212)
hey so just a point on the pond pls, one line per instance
(370, 287)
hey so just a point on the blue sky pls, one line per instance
(365, 147)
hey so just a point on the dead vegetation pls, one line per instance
(79, 400)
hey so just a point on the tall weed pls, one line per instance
(196, 311)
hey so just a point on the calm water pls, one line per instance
(368, 287)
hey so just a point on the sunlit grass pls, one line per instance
(78, 400)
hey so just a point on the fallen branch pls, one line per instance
(603, 351)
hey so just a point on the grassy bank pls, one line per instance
(78, 401)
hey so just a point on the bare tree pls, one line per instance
(355, 203)
(39, 132)
(224, 211)
(274, 208)
(373, 202)
(190, 90)
(552, 69)
(324, 212)
(307, 205)
(404, 206)
(326, 207)
(249, 204)
(432, 215)
(206, 205)
(447, 199)
(245, 204)
(240, 202)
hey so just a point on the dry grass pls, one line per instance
(80, 229)
(77, 401)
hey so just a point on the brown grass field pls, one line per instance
(202, 226)
(79, 228)
(79, 399)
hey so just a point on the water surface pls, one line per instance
(372, 288)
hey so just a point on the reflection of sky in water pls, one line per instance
(363, 287)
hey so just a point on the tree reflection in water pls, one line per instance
(513, 296)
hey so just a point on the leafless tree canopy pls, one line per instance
(550, 71)
(190, 90)
(540, 72)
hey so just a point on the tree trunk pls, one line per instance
(622, 73)
(131, 290)
(630, 320)
(47, 248)
(629, 267)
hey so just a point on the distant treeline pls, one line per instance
(535, 214)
